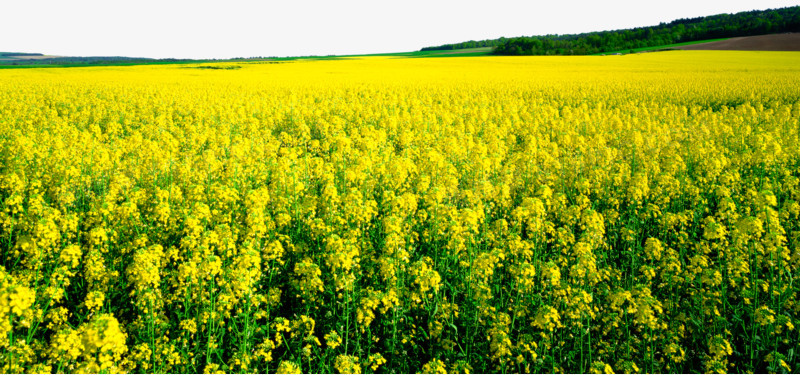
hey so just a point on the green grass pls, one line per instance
(483, 51)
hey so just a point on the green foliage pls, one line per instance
(756, 22)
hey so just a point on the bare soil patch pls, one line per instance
(771, 42)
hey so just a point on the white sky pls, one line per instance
(240, 28)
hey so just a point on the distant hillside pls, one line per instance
(7, 58)
(18, 54)
(14, 58)
(756, 22)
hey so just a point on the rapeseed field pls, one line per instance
(635, 213)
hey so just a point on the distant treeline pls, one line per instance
(757, 22)
(87, 60)
(5, 54)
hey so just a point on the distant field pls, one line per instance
(6, 61)
(659, 48)
(481, 51)
(772, 42)
(463, 51)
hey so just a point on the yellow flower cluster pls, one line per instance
(635, 213)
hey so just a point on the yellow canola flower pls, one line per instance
(333, 339)
(229, 217)
(347, 364)
(435, 366)
(287, 367)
